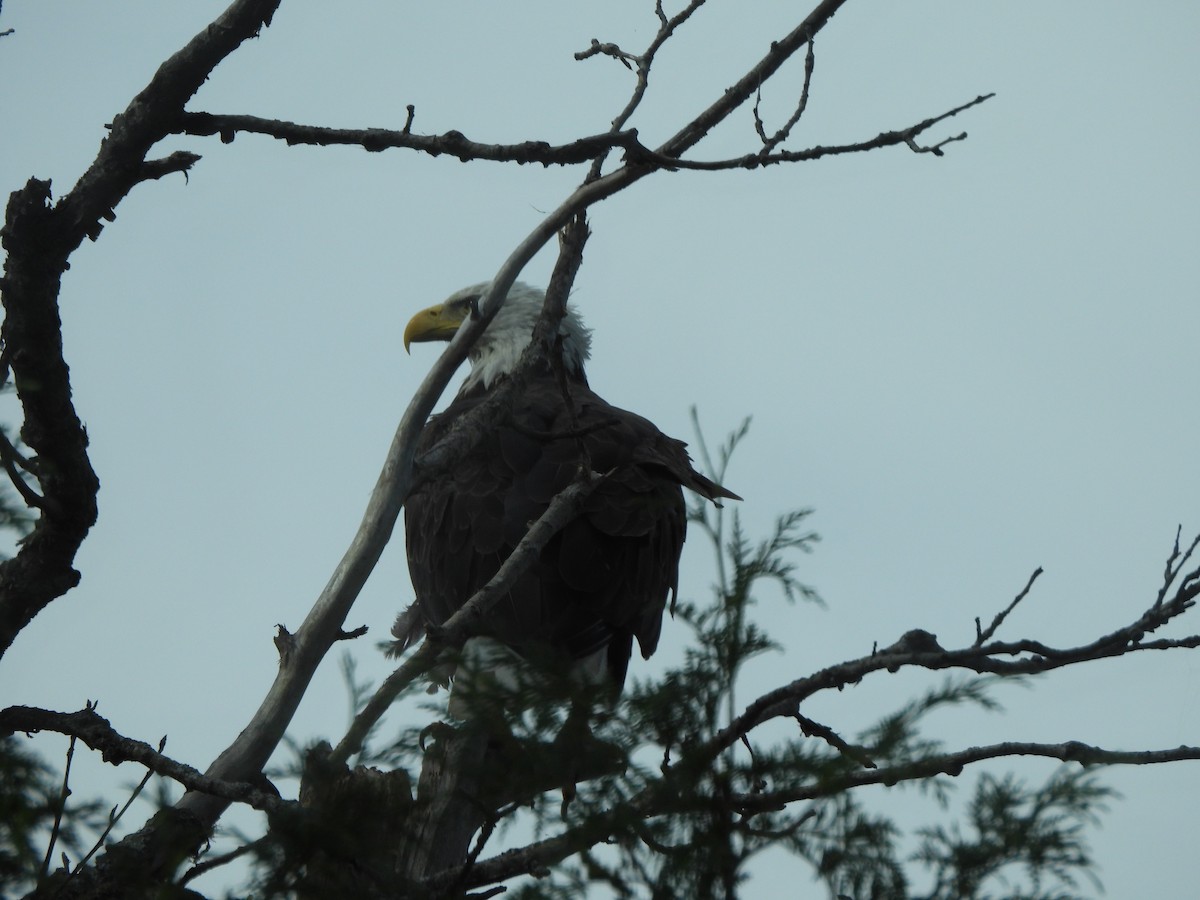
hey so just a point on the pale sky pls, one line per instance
(970, 366)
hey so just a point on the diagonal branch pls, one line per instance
(448, 811)
(97, 732)
(118, 166)
(985, 634)
(734, 96)
(466, 622)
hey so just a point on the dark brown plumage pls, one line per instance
(603, 580)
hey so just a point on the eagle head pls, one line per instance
(498, 350)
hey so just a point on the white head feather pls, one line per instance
(499, 348)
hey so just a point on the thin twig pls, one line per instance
(986, 635)
(760, 127)
(1175, 564)
(222, 860)
(572, 240)
(831, 737)
(667, 27)
(904, 136)
(608, 49)
(1188, 643)
(58, 810)
(485, 834)
(179, 161)
(115, 816)
(955, 763)
(935, 149)
(782, 134)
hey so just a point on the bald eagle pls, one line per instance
(607, 576)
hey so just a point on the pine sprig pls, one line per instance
(1040, 831)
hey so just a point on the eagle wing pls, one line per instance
(607, 576)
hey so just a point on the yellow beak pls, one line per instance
(438, 323)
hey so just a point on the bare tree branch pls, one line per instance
(466, 622)
(593, 148)
(599, 49)
(1175, 564)
(986, 634)
(781, 135)
(43, 568)
(906, 136)
(59, 807)
(375, 140)
(448, 809)
(1032, 657)
(734, 96)
(39, 237)
(661, 797)
(667, 27)
(955, 763)
(829, 736)
(97, 732)
(179, 161)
